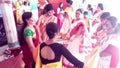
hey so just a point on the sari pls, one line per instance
(60, 20)
(96, 18)
(91, 60)
(95, 25)
(50, 65)
(79, 44)
(66, 25)
(42, 21)
(27, 54)
(110, 48)
(70, 11)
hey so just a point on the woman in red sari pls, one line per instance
(76, 44)
(78, 39)
(29, 39)
(44, 19)
(96, 17)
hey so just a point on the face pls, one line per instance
(85, 15)
(32, 21)
(77, 14)
(51, 12)
(107, 26)
(98, 9)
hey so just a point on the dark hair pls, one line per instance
(80, 10)
(51, 29)
(48, 1)
(69, 2)
(85, 13)
(105, 15)
(113, 20)
(90, 8)
(47, 8)
(61, 8)
(100, 5)
(25, 16)
(25, 3)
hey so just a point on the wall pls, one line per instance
(55, 3)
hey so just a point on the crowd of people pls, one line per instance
(89, 33)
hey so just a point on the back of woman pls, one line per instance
(50, 52)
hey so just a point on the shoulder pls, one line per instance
(28, 32)
(42, 16)
(57, 45)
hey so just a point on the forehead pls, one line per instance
(77, 11)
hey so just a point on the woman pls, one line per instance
(60, 12)
(44, 19)
(51, 52)
(29, 39)
(87, 20)
(90, 11)
(108, 46)
(79, 44)
(79, 39)
(77, 19)
(66, 25)
(96, 17)
(111, 45)
(69, 8)
(60, 8)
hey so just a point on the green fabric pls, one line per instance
(28, 32)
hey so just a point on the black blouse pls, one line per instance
(60, 50)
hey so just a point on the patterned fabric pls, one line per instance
(42, 21)
(79, 45)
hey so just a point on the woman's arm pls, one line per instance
(30, 43)
(71, 58)
(28, 34)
